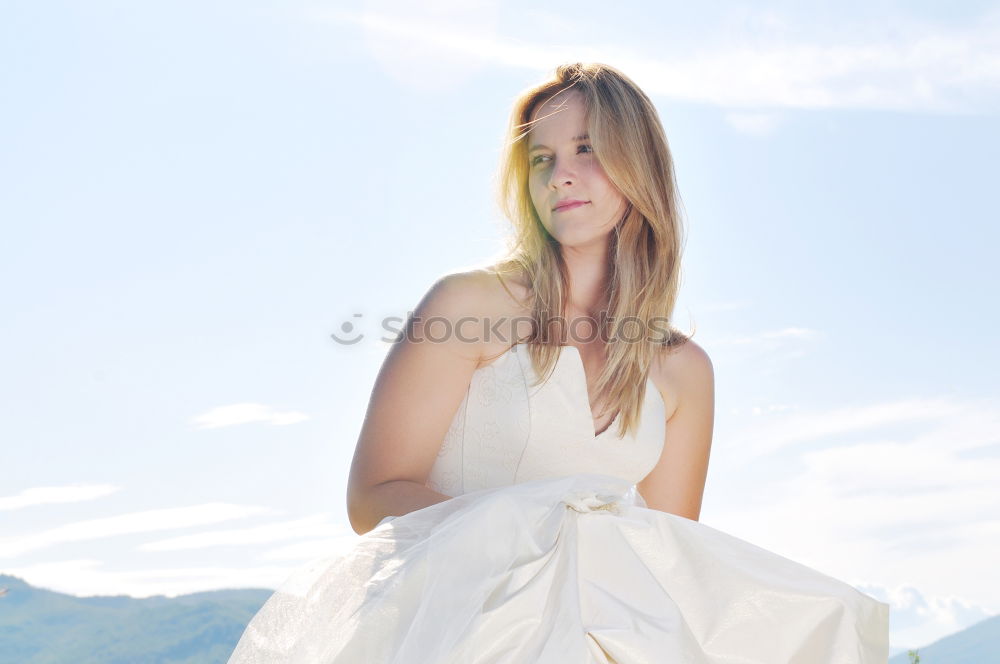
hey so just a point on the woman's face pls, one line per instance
(562, 166)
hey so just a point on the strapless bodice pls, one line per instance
(507, 430)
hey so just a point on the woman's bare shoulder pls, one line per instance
(459, 288)
(485, 307)
(482, 290)
(681, 367)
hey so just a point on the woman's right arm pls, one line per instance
(416, 395)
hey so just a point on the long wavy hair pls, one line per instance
(646, 244)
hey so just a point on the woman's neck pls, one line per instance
(589, 272)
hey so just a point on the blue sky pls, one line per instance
(196, 195)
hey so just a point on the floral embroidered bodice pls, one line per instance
(507, 431)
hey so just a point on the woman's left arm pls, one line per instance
(677, 482)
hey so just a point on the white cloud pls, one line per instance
(756, 124)
(127, 524)
(244, 413)
(85, 577)
(313, 549)
(416, 43)
(315, 526)
(770, 349)
(921, 416)
(917, 620)
(48, 495)
(900, 494)
(918, 67)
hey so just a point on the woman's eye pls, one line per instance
(537, 160)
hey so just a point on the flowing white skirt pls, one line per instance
(573, 570)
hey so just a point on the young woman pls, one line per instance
(529, 476)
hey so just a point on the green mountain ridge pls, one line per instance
(39, 626)
(976, 644)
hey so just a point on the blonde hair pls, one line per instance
(631, 146)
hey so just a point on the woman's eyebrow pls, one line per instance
(538, 146)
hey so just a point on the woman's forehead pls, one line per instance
(559, 116)
(569, 101)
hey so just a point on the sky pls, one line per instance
(194, 196)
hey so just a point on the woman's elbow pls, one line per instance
(360, 518)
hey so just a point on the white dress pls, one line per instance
(548, 554)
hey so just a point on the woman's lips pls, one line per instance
(570, 206)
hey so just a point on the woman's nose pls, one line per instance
(561, 175)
